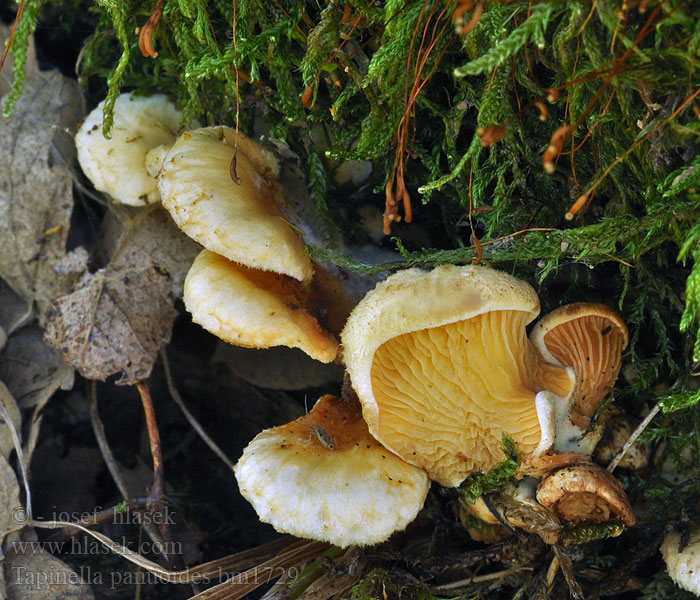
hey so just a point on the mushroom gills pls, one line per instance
(446, 395)
(255, 309)
(591, 342)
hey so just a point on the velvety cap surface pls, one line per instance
(241, 221)
(117, 166)
(324, 477)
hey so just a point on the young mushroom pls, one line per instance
(325, 477)
(443, 367)
(515, 506)
(590, 339)
(117, 166)
(585, 491)
(252, 308)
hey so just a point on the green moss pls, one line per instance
(587, 531)
(497, 476)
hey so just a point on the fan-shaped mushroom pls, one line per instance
(590, 339)
(443, 367)
(240, 220)
(324, 477)
(583, 492)
(116, 166)
(253, 308)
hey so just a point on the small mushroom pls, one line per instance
(325, 477)
(515, 506)
(252, 308)
(116, 166)
(682, 559)
(583, 492)
(590, 339)
(443, 368)
(222, 191)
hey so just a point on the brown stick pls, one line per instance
(109, 459)
(158, 488)
(175, 395)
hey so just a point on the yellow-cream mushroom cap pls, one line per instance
(117, 166)
(443, 368)
(251, 308)
(324, 477)
(241, 221)
(683, 566)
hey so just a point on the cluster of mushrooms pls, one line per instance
(440, 366)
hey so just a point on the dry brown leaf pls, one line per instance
(120, 317)
(31, 370)
(12, 515)
(6, 443)
(141, 237)
(34, 574)
(36, 189)
(14, 310)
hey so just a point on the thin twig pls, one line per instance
(188, 415)
(107, 455)
(482, 578)
(633, 438)
(292, 554)
(158, 488)
(111, 462)
(101, 516)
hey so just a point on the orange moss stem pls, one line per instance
(146, 32)
(8, 43)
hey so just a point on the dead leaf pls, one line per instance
(14, 310)
(12, 515)
(141, 237)
(120, 317)
(6, 443)
(34, 574)
(36, 189)
(31, 370)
